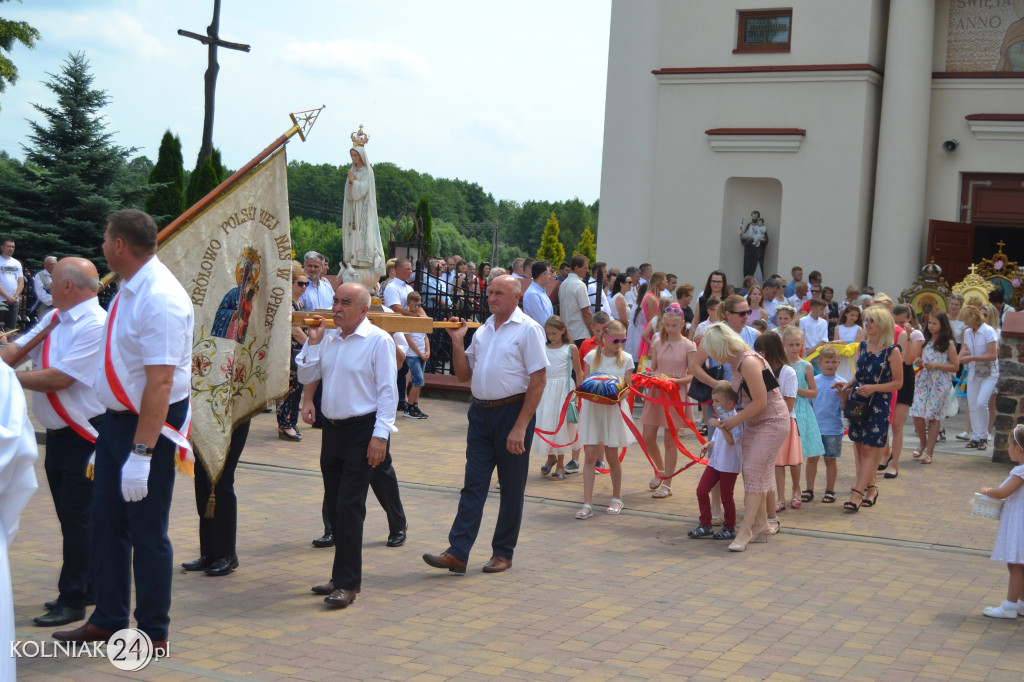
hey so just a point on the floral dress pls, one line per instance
(931, 389)
(873, 368)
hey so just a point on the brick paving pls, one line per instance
(891, 593)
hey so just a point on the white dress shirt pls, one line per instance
(76, 347)
(503, 359)
(572, 299)
(318, 295)
(815, 331)
(41, 283)
(536, 303)
(396, 293)
(358, 375)
(153, 326)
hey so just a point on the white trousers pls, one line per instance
(978, 393)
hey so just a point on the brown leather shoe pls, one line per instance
(445, 560)
(160, 648)
(341, 598)
(328, 587)
(497, 564)
(84, 633)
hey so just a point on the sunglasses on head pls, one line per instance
(302, 284)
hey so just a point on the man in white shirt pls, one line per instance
(41, 285)
(357, 364)
(506, 364)
(633, 273)
(573, 301)
(144, 381)
(517, 268)
(814, 326)
(12, 281)
(772, 299)
(536, 303)
(802, 295)
(318, 295)
(669, 292)
(646, 270)
(396, 293)
(599, 273)
(65, 370)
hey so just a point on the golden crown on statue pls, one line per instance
(360, 138)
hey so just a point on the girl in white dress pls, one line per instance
(603, 424)
(1010, 536)
(563, 358)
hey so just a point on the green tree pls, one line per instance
(587, 246)
(315, 235)
(551, 249)
(208, 174)
(10, 33)
(21, 201)
(81, 172)
(426, 224)
(167, 201)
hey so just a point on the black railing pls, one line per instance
(440, 303)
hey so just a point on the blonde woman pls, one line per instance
(979, 351)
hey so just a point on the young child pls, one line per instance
(597, 324)
(814, 327)
(1009, 545)
(724, 465)
(563, 360)
(828, 413)
(602, 424)
(939, 363)
(419, 344)
(810, 437)
(785, 314)
(670, 352)
(698, 331)
(771, 349)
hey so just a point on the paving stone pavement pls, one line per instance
(890, 593)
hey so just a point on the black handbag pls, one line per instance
(701, 392)
(857, 409)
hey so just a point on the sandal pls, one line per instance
(615, 506)
(558, 475)
(716, 520)
(917, 453)
(662, 492)
(773, 529)
(701, 532)
(829, 497)
(585, 512)
(852, 506)
(870, 503)
(780, 506)
(807, 496)
(796, 502)
(725, 534)
(927, 459)
(546, 468)
(655, 483)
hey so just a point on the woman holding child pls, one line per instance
(765, 419)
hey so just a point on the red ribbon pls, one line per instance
(57, 405)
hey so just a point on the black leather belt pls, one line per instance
(350, 420)
(511, 400)
(121, 413)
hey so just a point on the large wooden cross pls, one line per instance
(212, 41)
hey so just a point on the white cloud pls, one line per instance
(368, 61)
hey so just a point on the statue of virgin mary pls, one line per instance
(363, 260)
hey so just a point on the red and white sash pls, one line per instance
(115, 368)
(64, 406)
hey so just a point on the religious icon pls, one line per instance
(232, 318)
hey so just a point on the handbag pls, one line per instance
(857, 409)
(701, 392)
(982, 368)
(572, 414)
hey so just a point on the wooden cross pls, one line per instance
(213, 41)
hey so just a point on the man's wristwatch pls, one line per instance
(142, 450)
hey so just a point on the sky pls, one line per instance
(509, 95)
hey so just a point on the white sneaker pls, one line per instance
(1007, 609)
(1020, 607)
(963, 435)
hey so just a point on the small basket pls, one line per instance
(986, 507)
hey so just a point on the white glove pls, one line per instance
(135, 477)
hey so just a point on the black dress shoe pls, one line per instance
(223, 566)
(60, 615)
(327, 588)
(200, 564)
(89, 601)
(326, 540)
(396, 539)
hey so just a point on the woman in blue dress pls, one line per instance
(879, 373)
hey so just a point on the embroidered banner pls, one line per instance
(234, 260)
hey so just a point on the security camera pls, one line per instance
(950, 145)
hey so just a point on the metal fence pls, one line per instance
(465, 302)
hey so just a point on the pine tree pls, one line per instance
(551, 248)
(426, 223)
(167, 201)
(79, 166)
(11, 32)
(208, 174)
(587, 246)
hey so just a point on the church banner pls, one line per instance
(985, 35)
(234, 259)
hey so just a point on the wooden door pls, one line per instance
(951, 247)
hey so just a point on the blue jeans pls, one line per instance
(485, 450)
(415, 365)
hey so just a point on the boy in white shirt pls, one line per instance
(814, 326)
(419, 347)
(724, 464)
